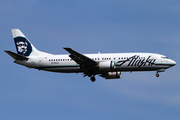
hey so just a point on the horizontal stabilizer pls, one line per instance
(16, 56)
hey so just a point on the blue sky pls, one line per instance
(88, 27)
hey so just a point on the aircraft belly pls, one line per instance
(63, 69)
(143, 68)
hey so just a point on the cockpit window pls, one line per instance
(163, 57)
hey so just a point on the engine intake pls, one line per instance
(111, 75)
(107, 65)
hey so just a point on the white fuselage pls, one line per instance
(123, 62)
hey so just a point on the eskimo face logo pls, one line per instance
(22, 47)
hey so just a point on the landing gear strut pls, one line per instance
(93, 79)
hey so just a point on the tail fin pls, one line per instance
(23, 45)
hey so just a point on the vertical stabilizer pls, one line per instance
(23, 45)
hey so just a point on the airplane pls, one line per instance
(106, 65)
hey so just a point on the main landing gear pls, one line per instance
(91, 75)
(93, 79)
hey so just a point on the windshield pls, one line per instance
(164, 57)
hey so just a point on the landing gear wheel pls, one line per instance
(93, 79)
(157, 75)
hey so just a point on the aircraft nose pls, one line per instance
(173, 62)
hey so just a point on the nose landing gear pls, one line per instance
(157, 72)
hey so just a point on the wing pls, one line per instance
(80, 58)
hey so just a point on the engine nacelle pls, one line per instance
(111, 75)
(106, 65)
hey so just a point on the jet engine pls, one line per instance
(111, 75)
(106, 65)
